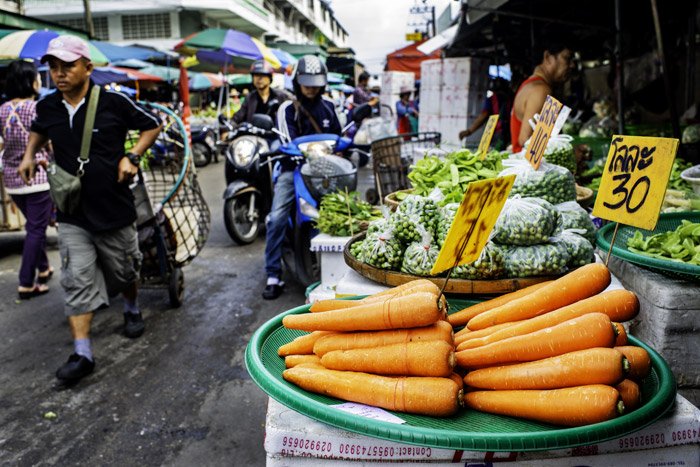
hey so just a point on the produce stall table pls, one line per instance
(294, 439)
(668, 320)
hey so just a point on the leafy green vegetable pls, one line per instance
(342, 215)
(683, 244)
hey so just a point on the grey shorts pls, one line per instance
(96, 266)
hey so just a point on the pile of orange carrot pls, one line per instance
(554, 352)
(393, 350)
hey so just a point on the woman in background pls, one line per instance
(22, 87)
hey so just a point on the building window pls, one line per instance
(100, 23)
(151, 26)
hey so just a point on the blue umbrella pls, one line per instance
(132, 63)
(120, 52)
(284, 57)
(107, 75)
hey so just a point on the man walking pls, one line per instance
(98, 241)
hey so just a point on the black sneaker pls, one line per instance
(272, 291)
(133, 325)
(76, 368)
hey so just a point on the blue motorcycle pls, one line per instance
(319, 172)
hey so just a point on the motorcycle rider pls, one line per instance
(309, 113)
(264, 99)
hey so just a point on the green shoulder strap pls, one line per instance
(89, 123)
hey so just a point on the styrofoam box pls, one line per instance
(674, 437)
(333, 265)
(677, 456)
(395, 80)
(428, 122)
(353, 283)
(431, 74)
(429, 101)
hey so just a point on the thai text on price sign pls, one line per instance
(543, 131)
(487, 136)
(473, 223)
(634, 180)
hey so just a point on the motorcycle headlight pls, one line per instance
(317, 148)
(243, 152)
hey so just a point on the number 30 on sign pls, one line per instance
(634, 180)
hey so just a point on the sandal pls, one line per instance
(35, 292)
(44, 279)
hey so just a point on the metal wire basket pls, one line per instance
(328, 174)
(393, 156)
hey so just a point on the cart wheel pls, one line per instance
(176, 287)
(372, 197)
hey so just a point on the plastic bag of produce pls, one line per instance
(525, 221)
(490, 265)
(412, 211)
(446, 216)
(382, 250)
(536, 260)
(380, 225)
(579, 248)
(550, 182)
(420, 257)
(560, 152)
(573, 216)
(356, 250)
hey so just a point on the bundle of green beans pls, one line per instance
(343, 214)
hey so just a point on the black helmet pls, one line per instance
(261, 67)
(311, 71)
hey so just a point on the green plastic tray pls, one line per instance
(468, 430)
(667, 222)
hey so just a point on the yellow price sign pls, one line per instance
(473, 223)
(414, 36)
(634, 180)
(543, 131)
(487, 136)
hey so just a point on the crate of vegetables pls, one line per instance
(543, 370)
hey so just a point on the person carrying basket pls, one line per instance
(97, 233)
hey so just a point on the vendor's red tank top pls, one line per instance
(515, 123)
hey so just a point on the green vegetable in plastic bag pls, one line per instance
(546, 259)
(382, 250)
(413, 211)
(490, 265)
(447, 215)
(579, 248)
(525, 221)
(550, 182)
(356, 250)
(560, 152)
(573, 216)
(420, 257)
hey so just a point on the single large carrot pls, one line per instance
(640, 363)
(597, 365)
(291, 361)
(430, 358)
(439, 397)
(580, 283)
(441, 330)
(577, 406)
(412, 311)
(630, 394)
(415, 286)
(591, 330)
(302, 345)
(461, 337)
(462, 317)
(619, 305)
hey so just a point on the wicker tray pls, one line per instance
(667, 222)
(454, 286)
(468, 430)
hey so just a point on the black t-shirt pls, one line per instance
(105, 204)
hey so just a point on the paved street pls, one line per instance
(180, 395)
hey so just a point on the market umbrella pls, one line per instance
(240, 79)
(286, 59)
(163, 72)
(132, 63)
(107, 75)
(226, 47)
(202, 81)
(115, 53)
(138, 75)
(32, 45)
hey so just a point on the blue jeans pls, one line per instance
(282, 201)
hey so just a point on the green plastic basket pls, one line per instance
(468, 430)
(667, 222)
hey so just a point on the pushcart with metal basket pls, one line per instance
(173, 216)
(391, 159)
